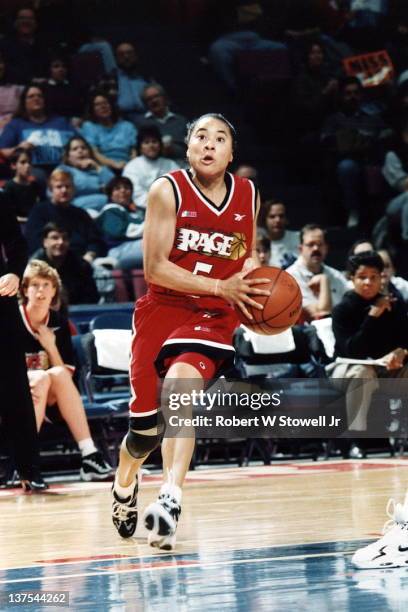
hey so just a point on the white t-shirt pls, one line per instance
(143, 172)
(286, 246)
(338, 283)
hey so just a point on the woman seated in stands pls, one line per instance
(89, 177)
(34, 127)
(50, 359)
(121, 224)
(113, 140)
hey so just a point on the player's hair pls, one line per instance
(233, 132)
(60, 175)
(311, 227)
(36, 267)
(15, 156)
(371, 259)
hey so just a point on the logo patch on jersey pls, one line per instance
(192, 214)
(238, 217)
(214, 244)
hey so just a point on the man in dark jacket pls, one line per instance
(76, 273)
(16, 408)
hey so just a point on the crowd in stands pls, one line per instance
(80, 148)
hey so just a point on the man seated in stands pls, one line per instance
(368, 325)
(284, 243)
(78, 284)
(353, 137)
(131, 82)
(322, 286)
(173, 127)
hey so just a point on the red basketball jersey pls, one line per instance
(211, 240)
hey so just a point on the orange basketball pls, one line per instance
(281, 308)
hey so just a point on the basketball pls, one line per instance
(281, 308)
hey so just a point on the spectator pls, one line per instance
(112, 139)
(392, 284)
(23, 191)
(130, 82)
(9, 94)
(34, 128)
(245, 33)
(247, 171)
(89, 176)
(284, 243)
(24, 51)
(395, 171)
(149, 165)
(263, 248)
(367, 324)
(173, 127)
(50, 359)
(78, 285)
(360, 246)
(86, 241)
(62, 95)
(314, 90)
(121, 224)
(353, 137)
(322, 287)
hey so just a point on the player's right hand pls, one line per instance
(238, 290)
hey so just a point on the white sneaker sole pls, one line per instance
(159, 522)
(384, 562)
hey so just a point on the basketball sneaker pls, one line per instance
(161, 517)
(94, 467)
(392, 549)
(124, 511)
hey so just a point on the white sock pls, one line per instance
(123, 491)
(87, 447)
(173, 490)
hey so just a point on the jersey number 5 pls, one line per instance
(202, 268)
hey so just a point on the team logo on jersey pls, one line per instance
(214, 244)
(192, 214)
(238, 217)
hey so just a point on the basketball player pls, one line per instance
(199, 232)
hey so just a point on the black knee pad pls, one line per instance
(139, 445)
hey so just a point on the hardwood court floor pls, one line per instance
(270, 537)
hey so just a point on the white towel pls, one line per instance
(113, 348)
(270, 345)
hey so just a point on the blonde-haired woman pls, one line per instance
(50, 362)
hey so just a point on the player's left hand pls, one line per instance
(9, 284)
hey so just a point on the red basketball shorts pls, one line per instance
(163, 331)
